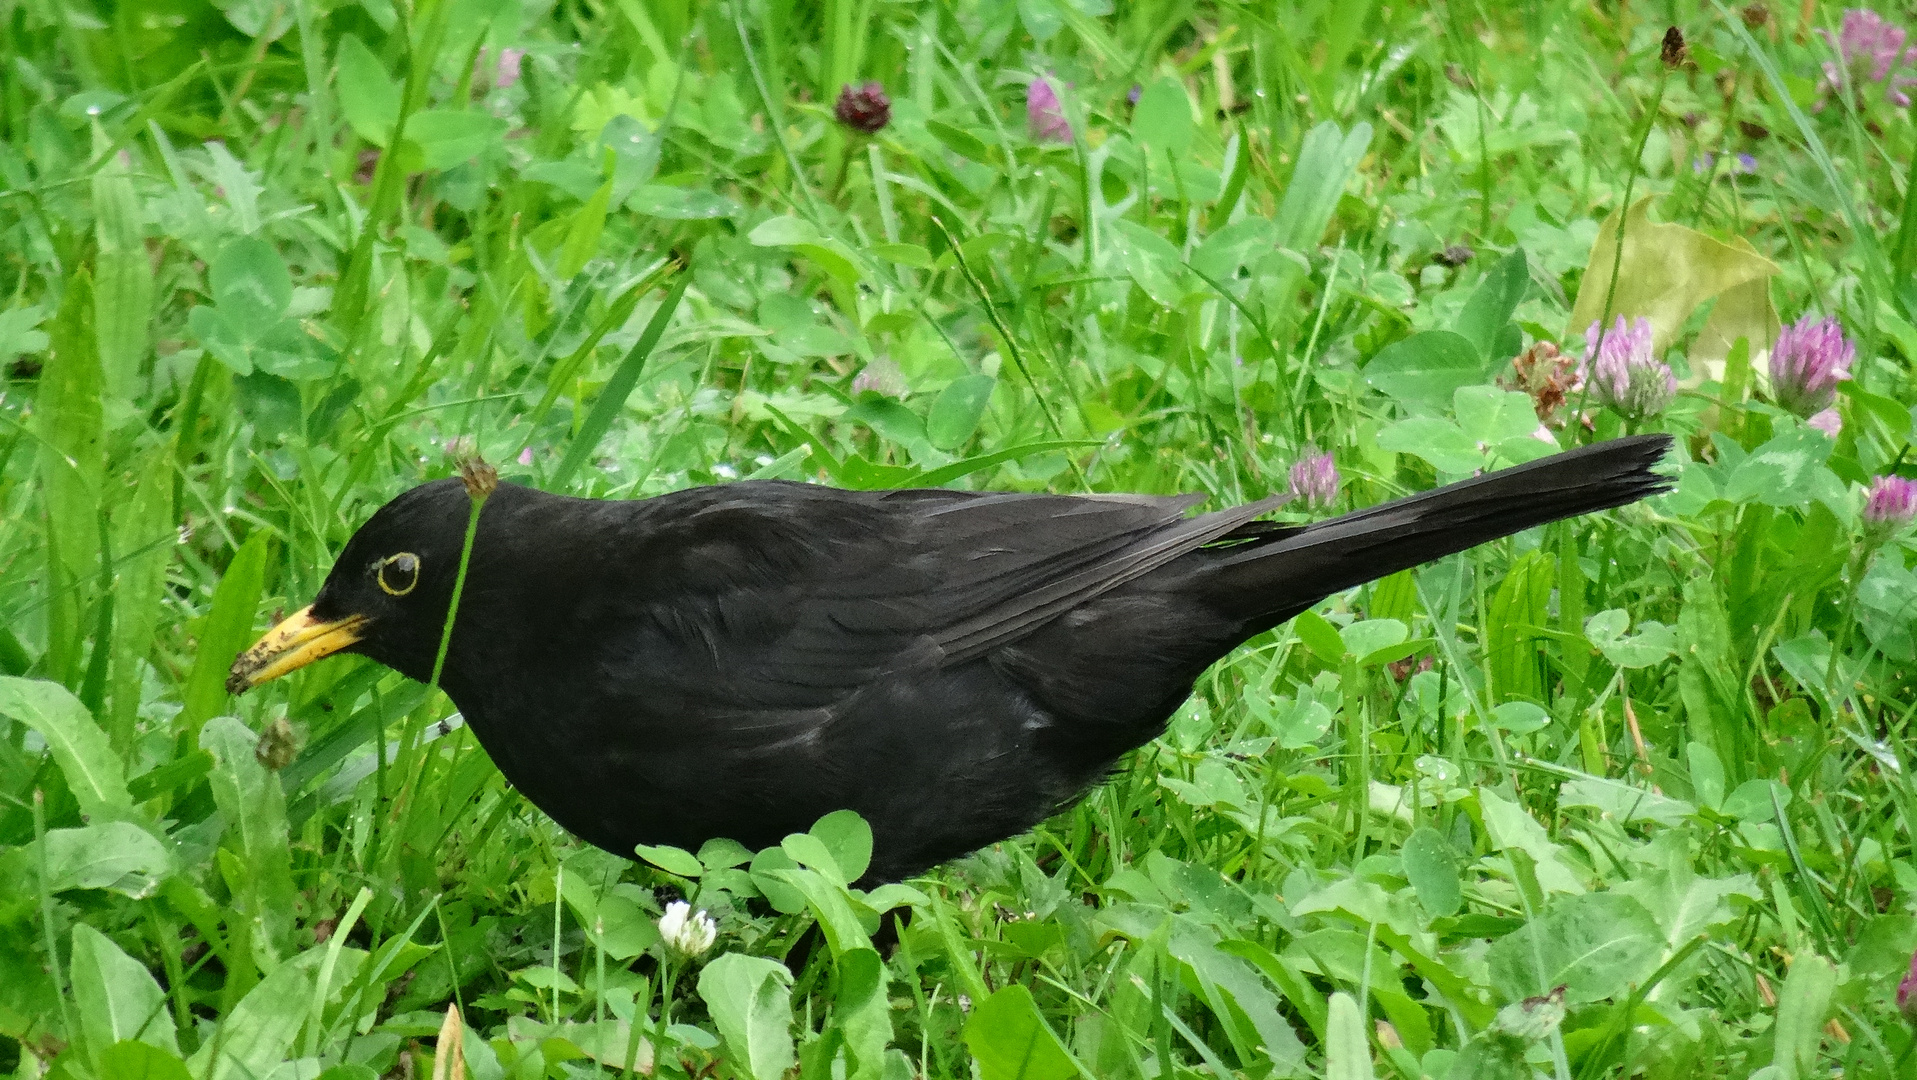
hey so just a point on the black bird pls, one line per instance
(956, 666)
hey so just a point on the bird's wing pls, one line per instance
(825, 588)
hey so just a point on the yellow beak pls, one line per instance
(292, 645)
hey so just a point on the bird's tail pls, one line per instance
(1267, 577)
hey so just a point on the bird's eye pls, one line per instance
(398, 574)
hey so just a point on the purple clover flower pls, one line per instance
(1907, 993)
(1892, 504)
(1623, 372)
(1808, 361)
(1314, 478)
(1871, 49)
(501, 72)
(1043, 113)
(863, 108)
(882, 376)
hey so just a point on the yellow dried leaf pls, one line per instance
(1666, 272)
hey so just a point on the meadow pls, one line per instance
(1625, 796)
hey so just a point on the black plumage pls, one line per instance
(956, 666)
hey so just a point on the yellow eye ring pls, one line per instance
(405, 566)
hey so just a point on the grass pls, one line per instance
(1628, 796)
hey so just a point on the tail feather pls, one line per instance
(1269, 579)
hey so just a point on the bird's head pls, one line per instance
(386, 597)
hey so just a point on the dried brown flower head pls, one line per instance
(863, 108)
(278, 745)
(1546, 374)
(1674, 54)
(480, 478)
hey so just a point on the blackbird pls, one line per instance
(956, 666)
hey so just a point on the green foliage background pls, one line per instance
(1627, 796)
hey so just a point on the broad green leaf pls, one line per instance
(829, 903)
(1432, 868)
(1597, 946)
(1010, 1040)
(1162, 118)
(1229, 248)
(116, 996)
(227, 629)
(94, 773)
(250, 284)
(1319, 636)
(794, 233)
(671, 859)
(1707, 775)
(959, 140)
(1653, 642)
(849, 839)
(20, 334)
(144, 541)
(1665, 273)
(1515, 625)
(683, 204)
(1887, 610)
(957, 410)
(141, 1061)
(118, 856)
(582, 235)
(223, 337)
(1752, 800)
(268, 402)
(863, 1012)
(1434, 439)
(767, 870)
(449, 137)
(1394, 597)
(911, 255)
(720, 853)
(1519, 717)
(123, 301)
(1623, 802)
(1786, 471)
(1153, 263)
(68, 418)
(1368, 636)
(1326, 162)
(1510, 828)
(783, 231)
(367, 94)
(1489, 310)
(251, 799)
(1802, 1008)
(1487, 414)
(1425, 369)
(808, 849)
(750, 999)
(622, 927)
(257, 1034)
(1347, 1049)
(889, 419)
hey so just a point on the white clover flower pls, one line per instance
(686, 932)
